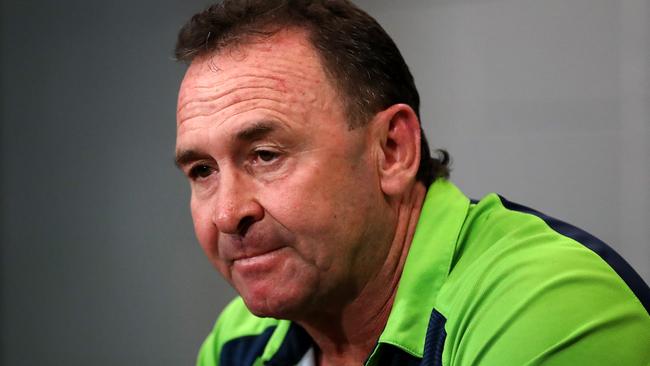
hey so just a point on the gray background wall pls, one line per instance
(545, 102)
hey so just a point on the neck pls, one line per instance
(348, 335)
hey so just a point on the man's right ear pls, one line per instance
(398, 129)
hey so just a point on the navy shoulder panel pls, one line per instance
(609, 255)
(244, 351)
(294, 346)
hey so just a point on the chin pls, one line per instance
(279, 304)
(281, 290)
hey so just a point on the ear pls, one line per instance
(399, 158)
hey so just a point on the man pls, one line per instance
(314, 194)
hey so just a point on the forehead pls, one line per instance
(281, 73)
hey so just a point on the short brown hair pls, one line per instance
(356, 52)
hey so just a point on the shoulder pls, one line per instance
(524, 290)
(237, 334)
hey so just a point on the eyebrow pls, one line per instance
(185, 157)
(256, 131)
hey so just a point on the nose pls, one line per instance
(236, 207)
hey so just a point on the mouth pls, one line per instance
(259, 260)
(252, 256)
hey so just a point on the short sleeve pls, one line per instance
(561, 306)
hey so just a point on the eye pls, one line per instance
(266, 156)
(200, 171)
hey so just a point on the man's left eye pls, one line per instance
(266, 156)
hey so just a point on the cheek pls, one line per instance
(208, 238)
(302, 202)
(205, 231)
(322, 209)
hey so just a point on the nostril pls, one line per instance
(244, 224)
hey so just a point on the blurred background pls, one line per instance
(545, 102)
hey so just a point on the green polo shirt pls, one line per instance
(485, 283)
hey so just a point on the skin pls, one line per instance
(307, 219)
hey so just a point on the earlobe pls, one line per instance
(400, 148)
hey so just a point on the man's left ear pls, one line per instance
(399, 133)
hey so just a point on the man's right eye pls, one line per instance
(200, 171)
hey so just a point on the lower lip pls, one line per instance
(262, 262)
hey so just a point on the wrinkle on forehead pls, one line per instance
(281, 70)
(221, 101)
(217, 120)
(221, 105)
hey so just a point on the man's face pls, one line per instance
(286, 200)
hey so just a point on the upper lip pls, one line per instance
(255, 254)
(252, 245)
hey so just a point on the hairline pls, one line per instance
(240, 38)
